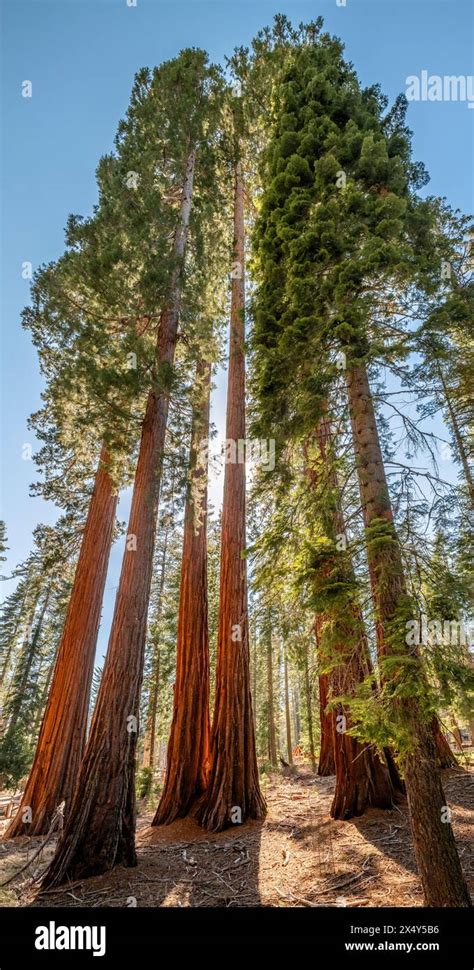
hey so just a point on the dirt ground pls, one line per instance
(297, 857)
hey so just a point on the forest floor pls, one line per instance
(298, 856)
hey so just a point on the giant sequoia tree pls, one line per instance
(188, 749)
(101, 827)
(63, 731)
(233, 792)
(89, 326)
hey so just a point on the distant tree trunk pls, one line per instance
(100, 830)
(289, 744)
(457, 736)
(296, 710)
(460, 447)
(309, 709)
(254, 686)
(12, 641)
(326, 765)
(187, 768)
(30, 644)
(272, 745)
(445, 756)
(44, 694)
(435, 847)
(62, 734)
(234, 791)
(148, 760)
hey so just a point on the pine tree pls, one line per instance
(32, 621)
(345, 224)
(3, 541)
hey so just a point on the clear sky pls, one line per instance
(81, 56)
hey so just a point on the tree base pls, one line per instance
(215, 816)
(362, 780)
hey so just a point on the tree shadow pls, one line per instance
(179, 865)
(203, 869)
(388, 830)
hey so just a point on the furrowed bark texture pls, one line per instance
(326, 765)
(187, 767)
(62, 735)
(233, 793)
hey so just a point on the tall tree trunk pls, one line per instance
(233, 793)
(289, 745)
(326, 765)
(435, 848)
(309, 708)
(187, 768)
(272, 745)
(100, 830)
(63, 729)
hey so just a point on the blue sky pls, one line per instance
(81, 56)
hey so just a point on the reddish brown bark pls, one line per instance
(233, 793)
(62, 735)
(100, 830)
(326, 764)
(435, 847)
(187, 768)
(363, 778)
